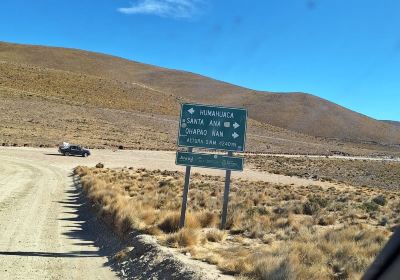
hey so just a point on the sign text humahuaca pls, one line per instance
(212, 127)
(216, 128)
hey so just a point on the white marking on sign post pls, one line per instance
(235, 135)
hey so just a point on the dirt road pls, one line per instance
(46, 231)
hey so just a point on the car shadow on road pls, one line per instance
(61, 155)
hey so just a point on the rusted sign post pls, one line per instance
(214, 128)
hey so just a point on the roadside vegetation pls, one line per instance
(355, 172)
(273, 231)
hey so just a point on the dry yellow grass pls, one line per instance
(185, 237)
(274, 231)
(216, 235)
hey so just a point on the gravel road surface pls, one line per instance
(43, 232)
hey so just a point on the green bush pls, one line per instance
(370, 206)
(310, 208)
(314, 204)
(321, 201)
(380, 200)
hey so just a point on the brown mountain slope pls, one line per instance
(396, 123)
(316, 116)
(81, 89)
(295, 111)
(44, 106)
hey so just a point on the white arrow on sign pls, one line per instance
(235, 135)
(236, 125)
(191, 111)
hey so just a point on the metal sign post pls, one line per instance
(215, 128)
(185, 194)
(226, 197)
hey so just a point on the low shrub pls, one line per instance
(370, 206)
(380, 200)
(327, 220)
(310, 208)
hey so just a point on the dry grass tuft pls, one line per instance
(122, 255)
(207, 219)
(186, 237)
(171, 222)
(327, 220)
(216, 235)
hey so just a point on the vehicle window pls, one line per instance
(260, 139)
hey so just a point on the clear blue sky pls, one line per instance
(347, 51)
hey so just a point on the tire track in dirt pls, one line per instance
(9, 197)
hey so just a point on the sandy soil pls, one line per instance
(45, 233)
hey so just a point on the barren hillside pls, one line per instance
(49, 95)
(295, 111)
(396, 123)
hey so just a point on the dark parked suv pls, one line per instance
(73, 150)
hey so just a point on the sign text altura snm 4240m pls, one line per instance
(212, 127)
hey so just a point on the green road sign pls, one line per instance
(209, 161)
(212, 127)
